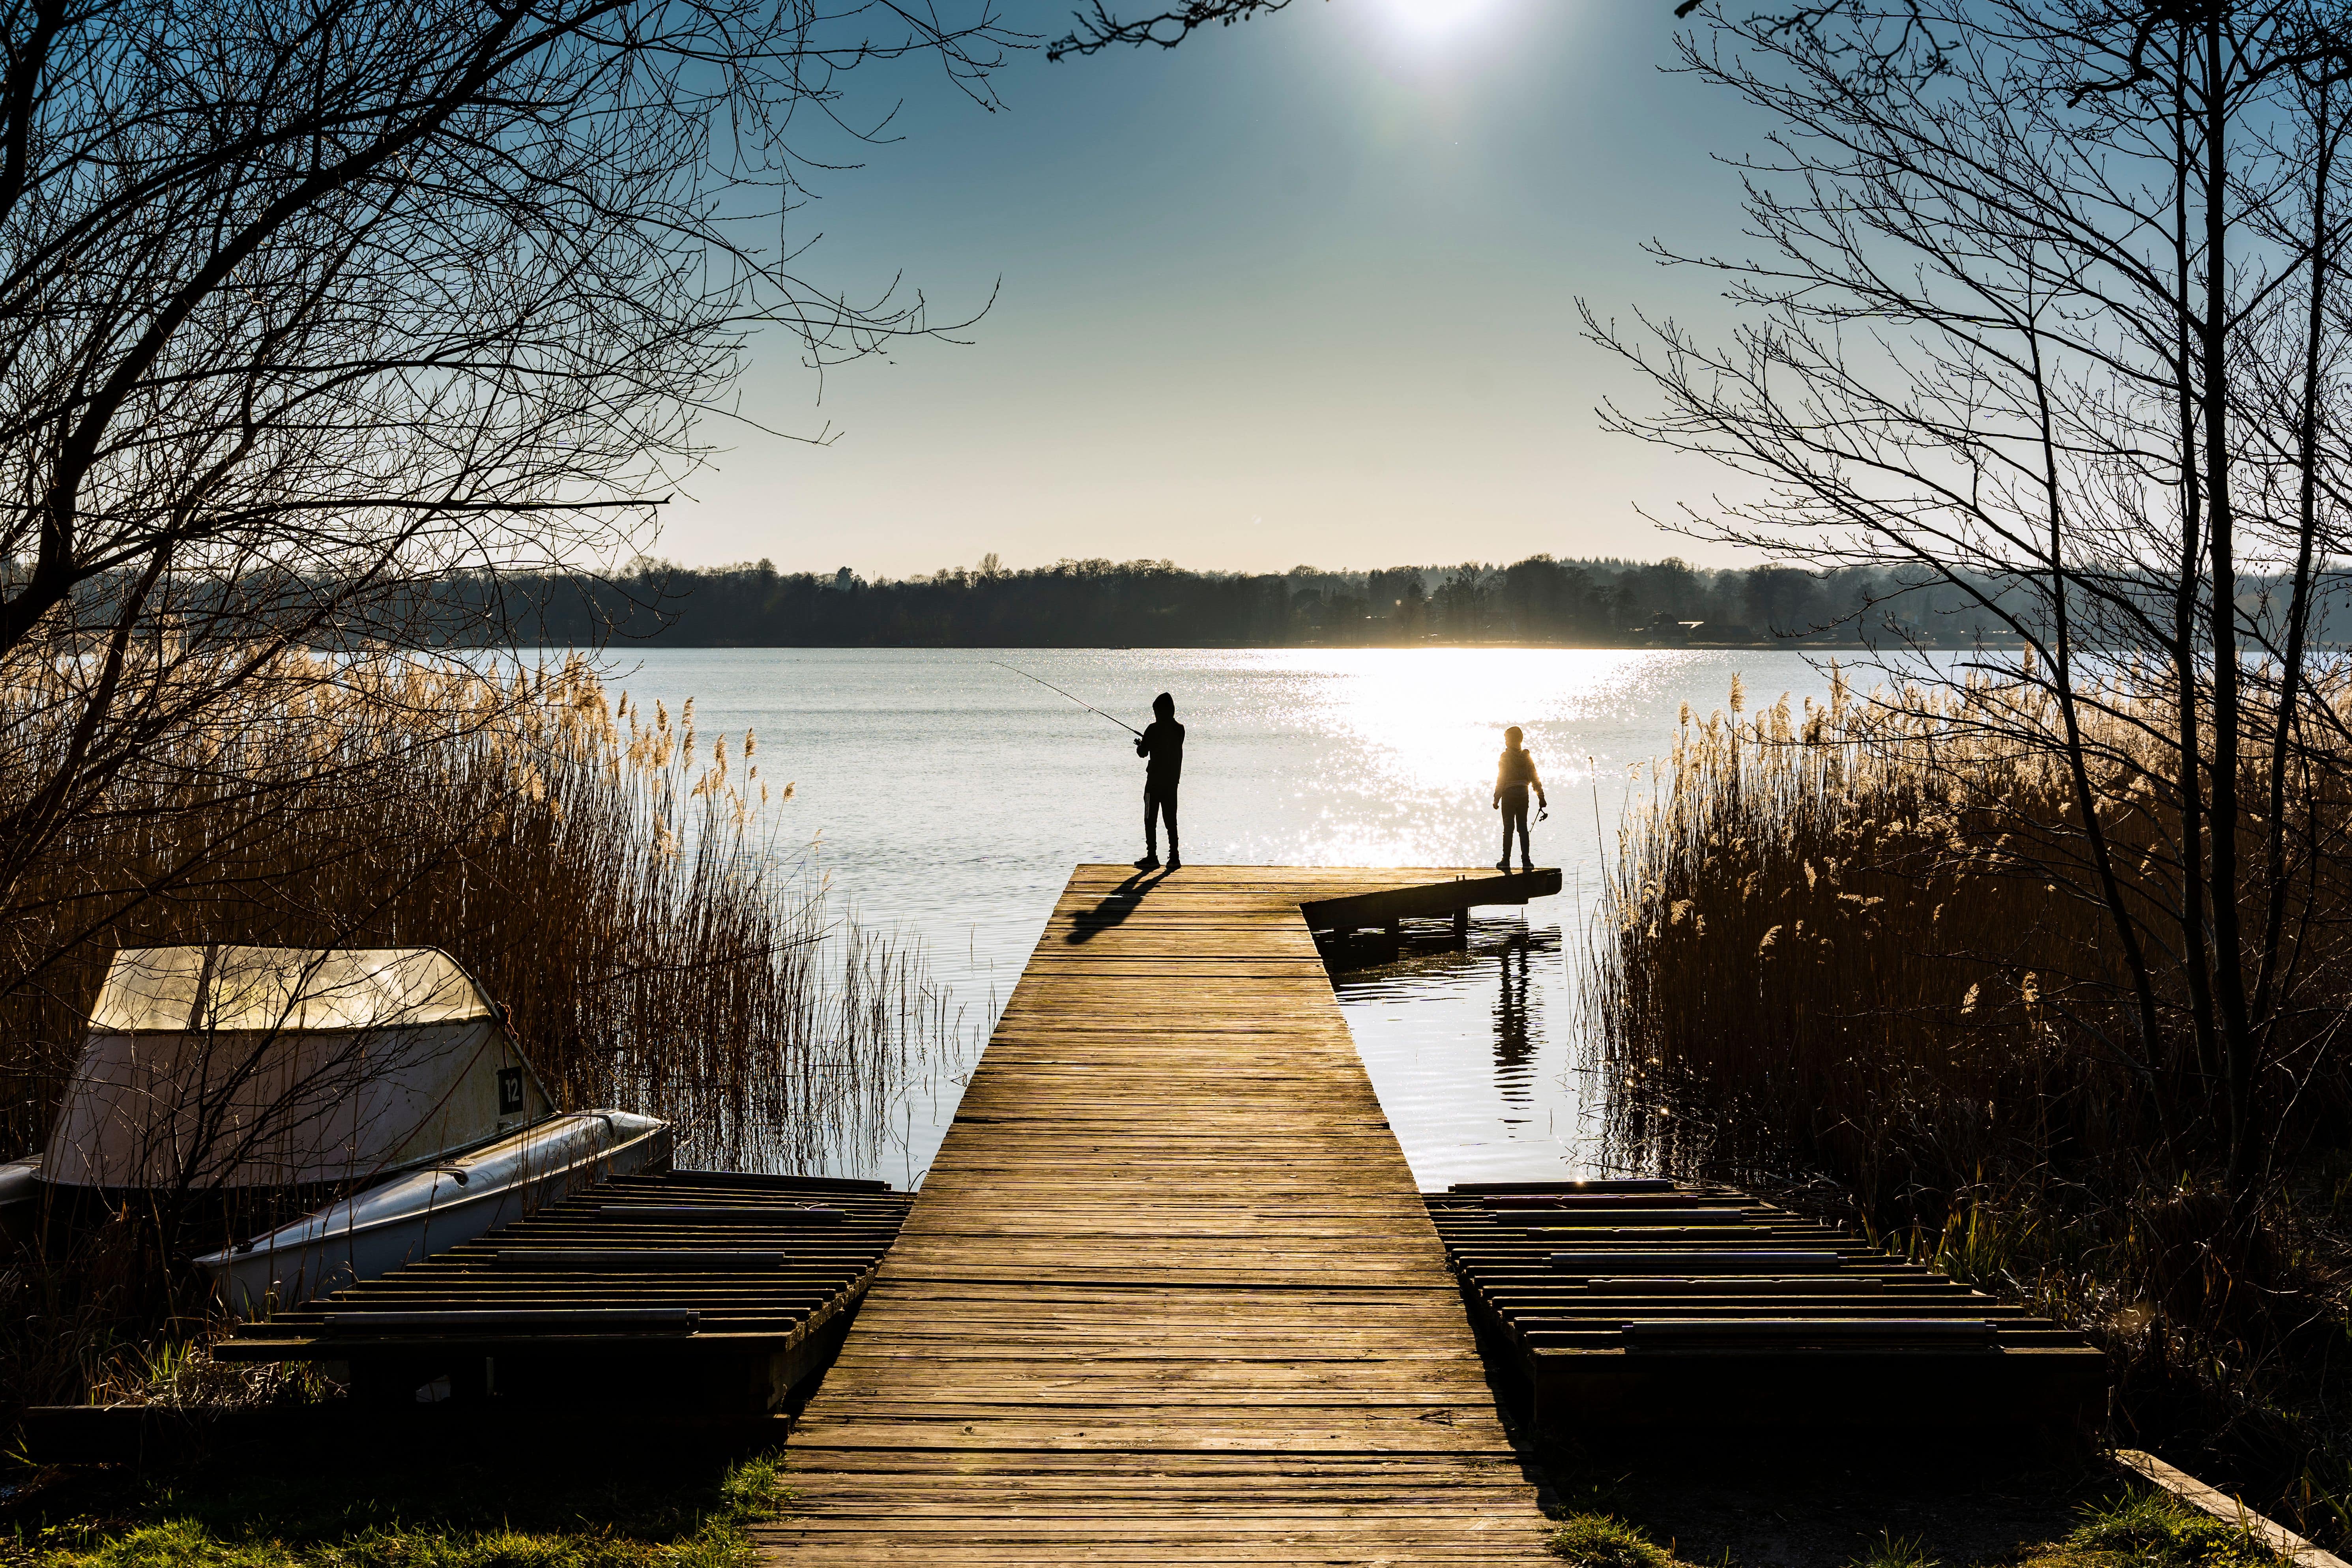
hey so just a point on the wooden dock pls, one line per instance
(1652, 1307)
(690, 1291)
(1168, 1294)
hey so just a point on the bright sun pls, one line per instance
(1431, 18)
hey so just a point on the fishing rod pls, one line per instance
(1051, 687)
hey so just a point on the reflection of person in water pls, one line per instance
(1513, 777)
(1163, 742)
(1515, 1049)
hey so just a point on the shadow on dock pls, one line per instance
(1114, 907)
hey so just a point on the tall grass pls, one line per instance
(617, 879)
(1851, 953)
(611, 877)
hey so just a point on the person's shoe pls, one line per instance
(1526, 865)
(1175, 861)
(1503, 864)
(1149, 863)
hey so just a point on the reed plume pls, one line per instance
(615, 881)
(620, 884)
(1859, 953)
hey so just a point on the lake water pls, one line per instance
(949, 797)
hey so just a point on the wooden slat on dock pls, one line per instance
(1168, 1294)
(1648, 1306)
(695, 1290)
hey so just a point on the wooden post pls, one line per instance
(1462, 923)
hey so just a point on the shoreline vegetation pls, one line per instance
(686, 1503)
(311, 314)
(614, 877)
(1856, 956)
(2035, 962)
(695, 1505)
(1602, 603)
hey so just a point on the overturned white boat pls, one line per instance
(381, 1082)
(431, 1210)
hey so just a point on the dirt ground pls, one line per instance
(1832, 1518)
(1814, 1504)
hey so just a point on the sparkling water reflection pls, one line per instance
(951, 797)
(1468, 1043)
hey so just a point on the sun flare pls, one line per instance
(1435, 19)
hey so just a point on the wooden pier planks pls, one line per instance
(1696, 1313)
(1168, 1294)
(697, 1290)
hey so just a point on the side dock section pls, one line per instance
(1168, 1294)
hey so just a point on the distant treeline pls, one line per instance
(1155, 604)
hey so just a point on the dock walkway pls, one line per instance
(1168, 1294)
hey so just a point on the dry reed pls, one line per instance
(610, 877)
(616, 880)
(1854, 954)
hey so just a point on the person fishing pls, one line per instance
(1513, 778)
(1163, 742)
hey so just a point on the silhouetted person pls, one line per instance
(1163, 741)
(1513, 778)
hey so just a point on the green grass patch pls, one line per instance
(605, 1511)
(1893, 1550)
(2151, 1528)
(1602, 1540)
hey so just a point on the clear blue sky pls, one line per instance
(1302, 291)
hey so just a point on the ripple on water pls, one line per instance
(950, 798)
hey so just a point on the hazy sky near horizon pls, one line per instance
(1300, 292)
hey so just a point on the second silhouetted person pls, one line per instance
(1513, 777)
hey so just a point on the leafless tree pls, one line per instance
(1099, 27)
(2047, 306)
(306, 307)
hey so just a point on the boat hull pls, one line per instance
(20, 1201)
(427, 1211)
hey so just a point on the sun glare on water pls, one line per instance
(1404, 743)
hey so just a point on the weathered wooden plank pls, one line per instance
(1168, 1294)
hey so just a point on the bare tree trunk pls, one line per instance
(2087, 800)
(2213, 333)
(2187, 679)
(2299, 600)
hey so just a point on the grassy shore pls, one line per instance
(627, 1502)
(620, 1503)
(2123, 1528)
